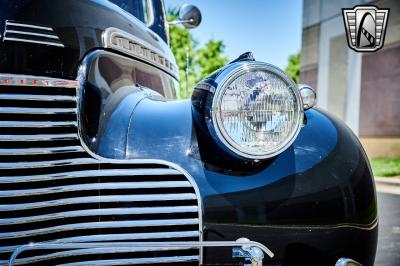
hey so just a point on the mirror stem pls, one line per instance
(176, 22)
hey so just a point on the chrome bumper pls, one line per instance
(251, 252)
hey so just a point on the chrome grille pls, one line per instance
(52, 190)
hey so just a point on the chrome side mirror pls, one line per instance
(189, 17)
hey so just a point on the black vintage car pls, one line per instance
(101, 165)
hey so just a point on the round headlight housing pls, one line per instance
(256, 111)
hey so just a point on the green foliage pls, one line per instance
(202, 60)
(385, 166)
(210, 58)
(293, 67)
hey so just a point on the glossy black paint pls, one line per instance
(317, 198)
(310, 205)
(79, 25)
(318, 194)
(111, 87)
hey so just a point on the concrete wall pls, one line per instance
(363, 89)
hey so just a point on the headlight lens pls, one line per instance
(257, 111)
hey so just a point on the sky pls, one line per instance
(271, 29)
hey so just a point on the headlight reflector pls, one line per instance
(257, 111)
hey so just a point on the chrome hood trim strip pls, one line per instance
(129, 44)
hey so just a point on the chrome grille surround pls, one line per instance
(52, 185)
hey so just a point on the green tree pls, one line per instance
(202, 60)
(293, 67)
(210, 57)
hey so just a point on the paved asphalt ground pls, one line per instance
(388, 253)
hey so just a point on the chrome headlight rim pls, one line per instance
(224, 78)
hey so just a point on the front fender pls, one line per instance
(316, 199)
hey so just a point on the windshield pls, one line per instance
(139, 8)
(150, 12)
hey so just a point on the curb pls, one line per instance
(389, 185)
(389, 181)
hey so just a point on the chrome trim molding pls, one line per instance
(150, 10)
(92, 212)
(36, 151)
(32, 97)
(101, 250)
(33, 34)
(37, 81)
(129, 44)
(29, 33)
(98, 248)
(98, 199)
(43, 137)
(42, 111)
(43, 164)
(97, 225)
(31, 41)
(88, 173)
(35, 124)
(10, 23)
(93, 186)
(124, 237)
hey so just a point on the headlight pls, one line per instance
(256, 111)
